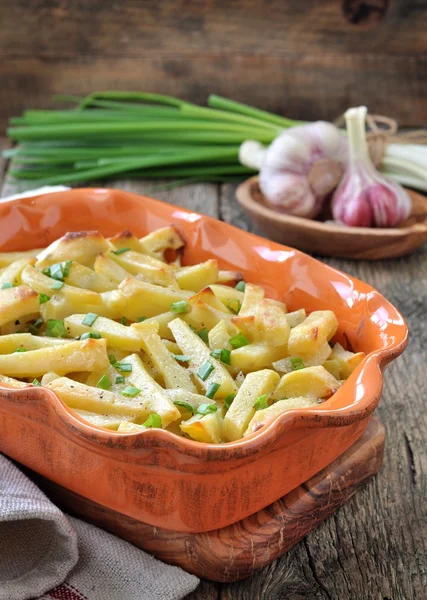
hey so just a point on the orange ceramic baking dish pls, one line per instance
(155, 476)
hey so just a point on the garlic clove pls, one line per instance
(365, 198)
(288, 153)
(329, 140)
(390, 203)
(324, 176)
(351, 205)
(289, 193)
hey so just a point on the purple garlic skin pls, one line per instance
(365, 198)
(361, 201)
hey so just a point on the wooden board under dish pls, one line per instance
(237, 551)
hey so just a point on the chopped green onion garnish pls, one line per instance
(55, 328)
(104, 383)
(204, 335)
(20, 350)
(223, 355)
(120, 379)
(112, 359)
(124, 367)
(36, 382)
(121, 251)
(38, 323)
(206, 409)
(66, 268)
(43, 298)
(123, 321)
(181, 357)
(182, 306)
(234, 305)
(34, 327)
(240, 286)
(154, 420)
(185, 405)
(205, 370)
(94, 335)
(297, 363)
(140, 319)
(238, 340)
(261, 402)
(89, 319)
(228, 400)
(212, 390)
(56, 272)
(130, 391)
(6, 285)
(57, 285)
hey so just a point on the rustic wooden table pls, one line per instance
(375, 547)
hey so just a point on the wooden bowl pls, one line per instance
(336, 240)
(156, 476)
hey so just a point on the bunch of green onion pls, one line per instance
(137, 134)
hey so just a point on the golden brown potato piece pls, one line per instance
(306, 338)
(12, 273)
(162, 243)
(197, 277)
(146, 268)
(173, 374)
(311, 381)
(265, 416)
(86, 355)
(80, 246)
(16, 302)
(207, 369)
(347, 361)
(85, 397)
(135, 297)
(243, 406)
(206, 428)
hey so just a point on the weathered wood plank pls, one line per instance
(303, 86)
(200, 197)
(306, 61)
(108, 28)
(375, 546)
(207, 590)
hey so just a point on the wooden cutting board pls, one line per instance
(242, 548)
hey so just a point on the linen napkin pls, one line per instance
(51, 556)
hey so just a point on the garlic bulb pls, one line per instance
(366, 198)
(299, 168)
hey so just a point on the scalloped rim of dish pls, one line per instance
(356, 409)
